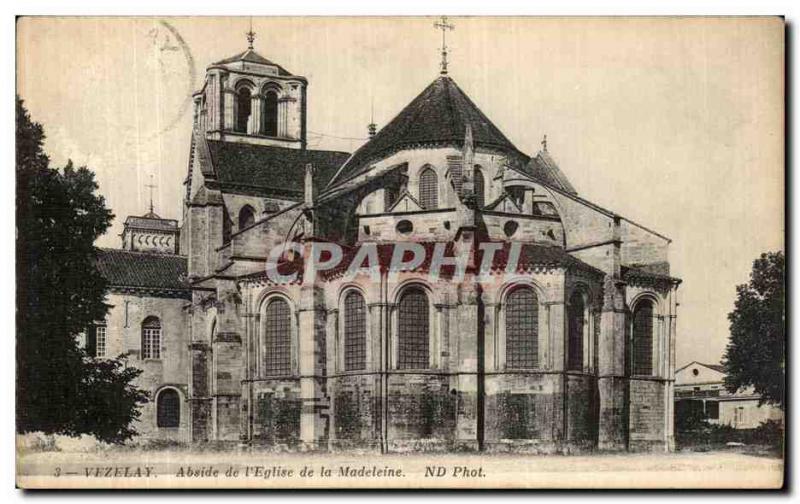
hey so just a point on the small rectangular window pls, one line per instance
(100, 341)
(151, 343)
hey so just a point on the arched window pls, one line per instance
(355, 332)
(522, 329)
(414, 329)
(428, 189)
(643, 338)
(269, 115)
(247, 217)
(480, 189)
(277, 338)
(242, 109)
(151, 338)
(168, 408)
(576, 321)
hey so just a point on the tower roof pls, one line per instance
(437, 117)
(250, 56)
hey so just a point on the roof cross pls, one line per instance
(544, 143)
(251, 35)
(151, 186)
(443, 25)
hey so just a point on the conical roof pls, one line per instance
(437, 117)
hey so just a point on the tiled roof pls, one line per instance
(438, 116)
(142, 270)
(264, 169)
(716, 367)
(544, 168)
(253, 57)
(638, 273)
(532, 257)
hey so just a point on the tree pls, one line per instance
(60, 294)
(755, 353)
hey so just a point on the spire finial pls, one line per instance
(251, 35)
(372, 128)
(443, 25)
(544, 142)
(151, 186)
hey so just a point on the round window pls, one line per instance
(695, 372)
(404, 227)
(510, 228)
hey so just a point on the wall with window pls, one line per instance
(153, 331)
(273, 385)
(650, 334)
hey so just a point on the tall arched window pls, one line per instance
(480, 189)
(247, 217)
(643, 338)
(428, 189)
(414, 330)
(242, 109)
(576, 321)
(269, 115)
(151, 338)
(355, 332)
(522, 329)
(277, 338)
(168, 408)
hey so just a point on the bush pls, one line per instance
(769, 433)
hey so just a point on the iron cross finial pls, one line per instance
(443, 25)
(251, 35)
(151, 186)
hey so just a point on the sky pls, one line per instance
(674, 123)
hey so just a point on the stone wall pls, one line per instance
(421, 412)
(356, 410)
(276, 412)
(524, 412)
(647, 416)
(171, 370)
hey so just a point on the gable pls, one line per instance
(698, 372)
(504, 204)
(406, 203)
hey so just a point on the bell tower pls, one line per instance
(248, 98)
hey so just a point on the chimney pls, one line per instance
(372, 128)
(309, 185)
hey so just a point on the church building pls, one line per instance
(566, 343)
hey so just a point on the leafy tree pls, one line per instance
(60, 389)
(755, 353)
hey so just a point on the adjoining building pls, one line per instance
(571, 350)
(700, 393)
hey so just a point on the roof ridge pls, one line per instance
(142, 252)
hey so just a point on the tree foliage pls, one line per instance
(60, 389)
(755, 355)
